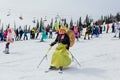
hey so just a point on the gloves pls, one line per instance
(67, 48)
(52, 44)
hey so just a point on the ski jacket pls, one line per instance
(65, 40)
(10, 36)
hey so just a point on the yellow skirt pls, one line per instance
(60, 57)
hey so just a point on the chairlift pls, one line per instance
(34, 21)
(21, 18)
(45, 19)
(9, 13)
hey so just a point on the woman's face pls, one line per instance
(62, 31)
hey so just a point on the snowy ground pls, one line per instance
(99, 59)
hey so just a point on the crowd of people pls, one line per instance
(60, 58)
(24, 34)
(47, 32)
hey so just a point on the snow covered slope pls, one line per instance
(99, 59)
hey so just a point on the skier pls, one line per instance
(50, 33)
(117, 29)
(25, 35)
(108, 27)
(1, 35)
(88, 32)
(10, 39)
(38, 31)
(20, 33)
(96, 31)
(17, 34)
(47, 30)
(60, 57)
(113, 28)
(43, 35)
(76, 31)
(33, 33)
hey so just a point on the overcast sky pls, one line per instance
(65, 8)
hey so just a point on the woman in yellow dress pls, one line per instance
(60, 57)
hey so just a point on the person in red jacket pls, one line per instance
(5, 35)
(47, 30)
(108, 26)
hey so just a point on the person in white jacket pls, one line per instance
(117, 29)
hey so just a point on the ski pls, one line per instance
(6, 52)
(47, 71)
(60, 72)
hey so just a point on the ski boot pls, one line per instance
(6, 51)
(84, 38)
(41, 40)
(61, 69)
(52, 68)
(114, 36)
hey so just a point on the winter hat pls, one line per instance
(63, 28)
(9, 30)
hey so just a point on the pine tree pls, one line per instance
(0, 21)
(41, 24)
(8, 26)
(105, 19)
(71, 23)
(14, 26)
(80, 22)
(51, 24)
(2, 29)
(37, 25)
(29, 29)
(77, 23)
(102, 17)
(87, 20)
(59, 24)
(25, 28)
(111, 18)
(118, 16)
(65, 21)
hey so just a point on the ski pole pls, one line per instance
(44, 56)
(74, 58)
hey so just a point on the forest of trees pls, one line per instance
(86, 22)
